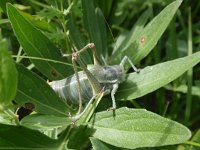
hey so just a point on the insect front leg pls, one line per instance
(126, 59)
(113, 91)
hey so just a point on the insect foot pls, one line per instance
(75, 56)
(91, 45)
(111, 109)
(138, 70)
(73, 121)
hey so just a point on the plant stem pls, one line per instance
(189, 73)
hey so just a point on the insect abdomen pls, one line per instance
(68, 88)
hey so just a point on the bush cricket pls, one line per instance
(83, 86)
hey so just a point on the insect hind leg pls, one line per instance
(96, 87)
(74, 57)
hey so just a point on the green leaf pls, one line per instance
(18, 137)
(38, 121)
(183, 88)
(3, 4)
(8, 75)
(94, 25)
(146, 39)
(77, 38)
(79, 137)
(4, 21)
(196, 140)
(36, 44)
(106, 7)
(153, 77)
(130, 36)
(99, 145)
(40, 24)
(134, 128)
(153, 31)
(31, 88)
(102, 28)
(74, 33)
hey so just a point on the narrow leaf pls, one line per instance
(31, 88)
(92, 25)
(36, 44)
(196, 140)
(75, 33)
(8, 75)
(76, 37)
(38, 121)
(134, 128)
(102, 28)
(153, 31)
(18, 137)
(78, 138)
(183, 89)
(131, 36)
(151, 78)
(99, 145)
(3, 4)
(146, 39)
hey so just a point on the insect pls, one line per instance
(83, 86)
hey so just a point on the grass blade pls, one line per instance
(93, 26)
(8, 75)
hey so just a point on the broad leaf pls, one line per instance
(36, 44)
(31, 88)
(18, 137)
(134, 128)
(8, 75)
(153, 77)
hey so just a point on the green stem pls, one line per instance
(189, 73)
(44, 59)
(193, 143)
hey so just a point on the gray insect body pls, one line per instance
(107, 76)
(85, 85)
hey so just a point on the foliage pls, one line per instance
(46, 29)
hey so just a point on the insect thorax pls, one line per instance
(108, 74)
